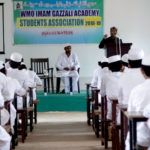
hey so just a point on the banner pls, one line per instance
(58, 21)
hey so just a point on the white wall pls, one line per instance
(130, 16)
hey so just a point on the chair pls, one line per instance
(58, 80)
(88, 100)
(105, 123)
(96, 111)
(41, 67)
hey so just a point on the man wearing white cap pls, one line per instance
(14, 87)
(139, 101)
(96, 75)
(133, 77)
(20, 75)
(68, 64)
(111, 84)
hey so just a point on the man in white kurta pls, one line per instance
(111, 82)
(20, 75)
(96, 75)
(33, 77)
(138, 101)
(4, 93)
(68, 64)
(13, 87)
(104, 73)
(133, 77)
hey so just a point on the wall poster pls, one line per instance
(58, 21)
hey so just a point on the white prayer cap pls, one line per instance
(146, 60)
(104, 59)
(114, 58)
(67, 44)
(135, 54)
(124, 58)
(2, 65)
(16, 57)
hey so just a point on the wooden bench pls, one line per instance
(134, 118)
(104, 123)
(96, 111)
(88, 103)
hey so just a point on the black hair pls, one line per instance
(3, 70)
(146, 69)
(115, 66)
(135, 63)
(125, 63)
(104, 64)
(14, 64)
(99, 63)
(23, 66)
(113, 28)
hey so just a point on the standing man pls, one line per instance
(113, 40)
(67, 65)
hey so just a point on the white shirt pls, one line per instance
(14, 87)
(33, 77)
(127, 82)
(21, 76)
(65, 61)
(138, 101)
(4, 92)
(96, 77)
(112, 90)
(102, 86)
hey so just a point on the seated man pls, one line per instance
(68, 64)
(96, 74)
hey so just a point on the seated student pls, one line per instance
(111, 82)
(139, 100)
(33, 77)
(4, 93)
(133, 77)
(124, 59)
(5, 139)
(14, 87)
(20, 75)
(105, 72)
(68, 65)
(96, 74)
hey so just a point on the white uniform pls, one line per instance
(127, 82)
(24, 80)
(15, 88)
(71, 61)
(4, 139)
(21, 76)
(34, 78)
(102, 86)
(138, 101)
(4, 93)
(96, 75)
(112, 90)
